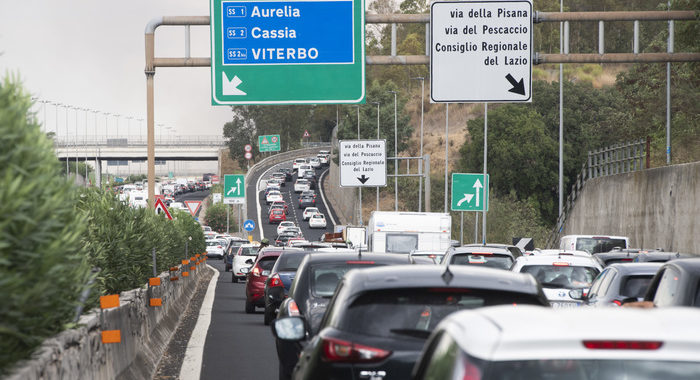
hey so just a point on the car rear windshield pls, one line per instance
(635, 286)
(414, 312)
(266, 263)
(325, 277)
(565, 277)
(491, 260)
(248, 251)
(589, 369)
(212, 243)
(596, 245)
(289, 262)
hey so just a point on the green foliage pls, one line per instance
(42, 258)
(120, 239)
(216, 218)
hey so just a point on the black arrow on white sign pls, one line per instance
(363, 179)
(518, 87)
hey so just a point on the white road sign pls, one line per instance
(481, 51)
(362, 163)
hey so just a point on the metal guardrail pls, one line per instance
(137, 140)
(614, 159)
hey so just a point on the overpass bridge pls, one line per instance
(134, 148)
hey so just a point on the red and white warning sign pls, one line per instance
(274, 139)
(306, 133)
(248, 147)
(193, 206)
(248, 155)
(161, 209)
(264, 141)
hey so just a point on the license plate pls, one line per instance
(564, 305)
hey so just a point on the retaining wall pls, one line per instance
(344, 199)
(145, 332)
(655, 208)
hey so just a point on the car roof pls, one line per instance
(636, 268)
(549, 259)
(498, 332)
(690, 265)
(413, 276)
(480, 248)
(334, 257)
(562, 252)
(659, 255)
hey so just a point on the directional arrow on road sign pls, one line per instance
(467, 198)
(469, 192)
(477, 186)
(230, 87)
(363, 179)
(518, 87)
(234, 188)
(249, 225)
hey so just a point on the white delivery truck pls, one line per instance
(403, 232)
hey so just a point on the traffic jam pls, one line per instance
(399, 299)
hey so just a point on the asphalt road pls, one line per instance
(292, 199)
(238, 345)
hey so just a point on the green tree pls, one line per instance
(216, 218)
(521, 156)
(43, 266)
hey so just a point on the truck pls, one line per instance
(404, 232)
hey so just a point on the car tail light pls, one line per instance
(359, 262)
(275, 280)
(560, 264)
(292, 308)
(218, 246)
(336, 350)
(256, 271)
(617, 302)
(626, 259)
(622, 344)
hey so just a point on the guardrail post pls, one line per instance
(648, 153)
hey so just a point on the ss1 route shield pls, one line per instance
(287, 52)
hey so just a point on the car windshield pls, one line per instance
(248, 251)
(589, 369)
(311, 209)
(490, 260)
(635, 286)
(415, 312)
(325, 277)
(562, 276)
(599, 244)
(290, 262)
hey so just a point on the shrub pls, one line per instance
(216, 218)
(43, 267)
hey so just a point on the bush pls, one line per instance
(216, 218)
(43, 267)
(120, 241)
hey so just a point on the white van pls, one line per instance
(404, 232)
(593, 243)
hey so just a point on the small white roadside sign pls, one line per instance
(362, 163)
(481, 51)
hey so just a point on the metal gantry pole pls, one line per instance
(359, 189)
(67, 156)
(486, 132)
(668, 90)
(561, 114)
(420, 166)
(396, 154)
(377, 103)
(447, 135)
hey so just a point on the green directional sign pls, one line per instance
(470, 192)
(234, 188)
(269, 143)
(287, 52)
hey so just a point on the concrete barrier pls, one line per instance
(145, 332)
(655, 208)
(344, 199)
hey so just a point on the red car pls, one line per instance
(280, 204)
(277, 215)
(256, 277)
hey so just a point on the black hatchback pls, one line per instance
(312, 288)
(379, 318)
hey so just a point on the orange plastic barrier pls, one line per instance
(154, 281)
(156, 302)
(108, 302)
(111, 336)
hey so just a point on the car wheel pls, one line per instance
(249, 307)
(269, 317)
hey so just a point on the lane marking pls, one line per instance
(192, 363)
(328, 210)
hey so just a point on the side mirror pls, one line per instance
(245, 270)
(576, 294)
(289, 328)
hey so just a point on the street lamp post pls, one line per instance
(396, 155)
(359, 192)
(420, 162)
(377, 103)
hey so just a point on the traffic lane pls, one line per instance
(238, 345)
(295, 213)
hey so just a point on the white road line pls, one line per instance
(328, 210)
(192, 363)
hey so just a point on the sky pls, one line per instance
(90, 54)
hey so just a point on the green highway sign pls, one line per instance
(234, 188)
(470, 192)
(287, 52)
(269, 143)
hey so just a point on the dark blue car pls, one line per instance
(280, 279)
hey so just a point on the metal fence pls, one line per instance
(137, 140)
(614, 159)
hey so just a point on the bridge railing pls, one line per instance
(614, 159)
(138, 140)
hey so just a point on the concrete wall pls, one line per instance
(343, 199)
(655, 208)
(145, 332)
